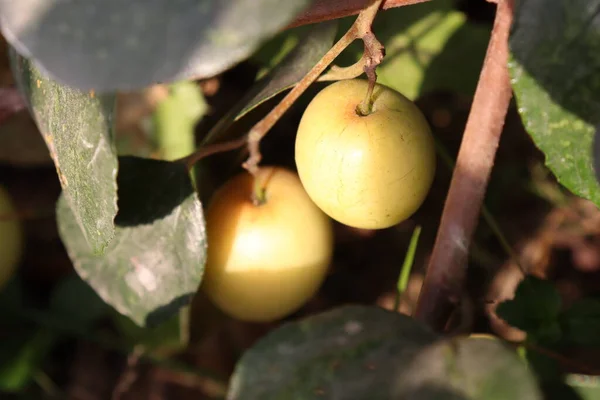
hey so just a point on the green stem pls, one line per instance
(407, 266)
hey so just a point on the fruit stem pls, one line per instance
(259, 192)
(359, 29)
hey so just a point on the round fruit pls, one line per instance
(370, 171)
(10, 238)
(265, 261)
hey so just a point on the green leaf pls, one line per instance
(21, 354)
(155, 263)
(580, 323)
(353, 352)
(164, 337)
(175, 118)
(554, 65)
(294, 66)
(77, 303)
(468, 368)
(110, 44)
(77, 128)
(534, 309)
(429, 47)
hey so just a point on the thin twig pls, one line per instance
(447, 266)
(129, 375)
(359, 29)
(202, 152)
(325, 10)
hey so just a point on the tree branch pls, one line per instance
(325, 10)
(446, 272)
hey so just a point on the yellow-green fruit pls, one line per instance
(11, 240)
(265, 261)
(370, 171)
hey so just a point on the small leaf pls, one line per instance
(294, 66)
(535, 307)
(164, 337)
(554, 64)
(353, 352)
(77, 303)
(467, 368)
(175, 118)
(110, 44)
(429, 47)
(581, 323)
(155, 263)
(77, 128)
(21, 354)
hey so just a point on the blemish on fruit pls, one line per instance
(353, 327)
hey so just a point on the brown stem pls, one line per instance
(325, 10)
(374, 52)
(447, 266)
(361, 26)
(202, 152)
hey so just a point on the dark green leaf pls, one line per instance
(113, 44)
(21, 353)
(581, 323)
(353, 352)
(77, 303)
(163, 337)
(294, 66)
(468, 369)
(77, 128)
(535, 307)
(554, 66)
(155, 262)
(429, 47)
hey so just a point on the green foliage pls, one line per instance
(454, 369)
(76, 303)
(175, 118)
(358, 352)
(110, 44)
(554, 64)
(534, 309)
(21, 355)
(155, 262)
(289, 71)
(581, 322)
(353, 352)
(77, 128)
(429, 46)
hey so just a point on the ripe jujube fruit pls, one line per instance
(366, 171)
(265, 261)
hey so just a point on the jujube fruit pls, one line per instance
(265, 261)
(372, 171)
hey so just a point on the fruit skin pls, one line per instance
(368, 172)
(11, 238)
(264, 262)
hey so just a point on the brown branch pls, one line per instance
(359, 29)
(447, 266)
(206, 151)
(325, 10)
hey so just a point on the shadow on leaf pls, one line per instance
(149, 190)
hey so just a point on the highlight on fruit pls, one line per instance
(265, 261)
